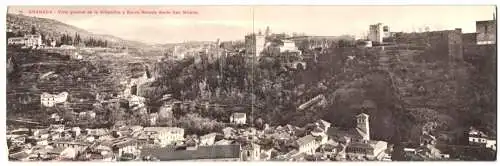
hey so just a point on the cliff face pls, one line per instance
(406, 92)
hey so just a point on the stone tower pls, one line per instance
(363, 124)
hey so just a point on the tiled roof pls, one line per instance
(202, 152)
(362, 114)
(317, 130)
(208, 136)
(164, 129)
(369, 144)
(224, 142)
(305, 140)
(123, 142)
(324, 123)
(20, 155)
(352, 133)
(238, 115)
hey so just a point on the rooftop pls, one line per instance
(352, 133)
(202, 152)
(164, 129)
(239, 115)
(207, 136)
(369, 144)
(305, 140)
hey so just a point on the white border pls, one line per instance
(3, 155)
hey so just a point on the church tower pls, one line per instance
(363, 124)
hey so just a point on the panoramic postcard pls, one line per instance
(251, 83)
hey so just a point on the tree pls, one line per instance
(33, 30)
(259, 123)
(78, 39)
(9, 143)
(43, 38)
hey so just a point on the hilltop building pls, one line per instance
(486, 32)
(49, 100)
(166, 135)
(378, 32)
(238, 118)
(27, 40)
(254, 44)
(288, 46)
(446, 44)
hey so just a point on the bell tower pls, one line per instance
(363, 124)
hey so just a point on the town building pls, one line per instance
(166, 135)
(211, 153)
(361, 133)
(320, 133)
(208, 139)
(486, 32)
(87, 115)
(153, 118)
(76, 131)
(427, 139)
(135, 101)
(59, 128)
(49, 100)
(78, 146)
(250, 152)
(125, 146)
(133, 85)
(365, 44)
(238, 118)
(98, 133)
(324, 125)
(16, 41)
(308, 144)
(55, 117)
(479, 138)
(369, 149)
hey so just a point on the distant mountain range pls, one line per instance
(55, 29)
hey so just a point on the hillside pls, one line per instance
(404, 92)
(55, 29)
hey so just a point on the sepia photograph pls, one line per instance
(290, 83)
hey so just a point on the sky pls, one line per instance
(207, 23)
